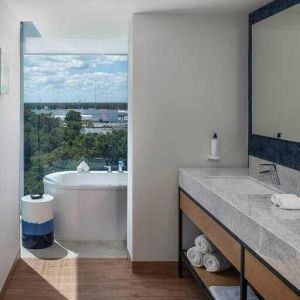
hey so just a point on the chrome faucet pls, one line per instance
(272, 172)
(108, 168)
(121, 165)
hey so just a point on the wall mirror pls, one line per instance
(274, 83)
(276, 75)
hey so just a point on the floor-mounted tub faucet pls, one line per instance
(121, 165)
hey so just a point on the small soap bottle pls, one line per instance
(214, 146)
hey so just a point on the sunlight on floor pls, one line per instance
(79, 249)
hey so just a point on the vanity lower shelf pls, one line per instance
(230, 277)
(248, 267)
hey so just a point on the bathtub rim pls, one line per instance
(55, 184)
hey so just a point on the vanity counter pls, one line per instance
(243, 205)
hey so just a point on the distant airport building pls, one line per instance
(97, 130)
(89, 114)
(108, 115)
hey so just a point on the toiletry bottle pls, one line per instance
(214, 146)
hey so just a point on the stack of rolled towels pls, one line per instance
(204, 253)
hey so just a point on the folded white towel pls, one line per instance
(286, 201)
(195, 257)
(205, 246)
(215, 262)
(230, 293)
(83, 167)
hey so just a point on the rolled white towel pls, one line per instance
(195, 257)
(286, 201)
(276, 197)
(215, 262)
(205, 246)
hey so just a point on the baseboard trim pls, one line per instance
(128, 256)
(164, 268)
(8, 278)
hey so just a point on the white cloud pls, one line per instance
(100, 80)
(63, 74)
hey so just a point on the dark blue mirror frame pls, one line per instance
(279, 151)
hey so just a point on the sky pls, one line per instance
(74, 78)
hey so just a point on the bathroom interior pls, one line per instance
(150, 149)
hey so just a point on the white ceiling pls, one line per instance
(109, 18)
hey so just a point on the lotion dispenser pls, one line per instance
(214, 148)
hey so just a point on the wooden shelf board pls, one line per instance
(230, 277)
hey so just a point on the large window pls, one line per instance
(75, 109)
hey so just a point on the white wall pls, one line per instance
(130, 144)
(188, 78)
(9, 147)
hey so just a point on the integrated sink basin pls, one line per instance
(238, 185)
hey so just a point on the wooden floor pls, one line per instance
(104, 279)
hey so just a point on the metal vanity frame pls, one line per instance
(182, 258)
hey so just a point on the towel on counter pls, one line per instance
(195, 257)
(286, 201)
(276, 197)
(205, 246)
(230, 293)
(215, 262)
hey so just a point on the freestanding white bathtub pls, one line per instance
(88, 206)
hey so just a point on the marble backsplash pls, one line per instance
(289, 178)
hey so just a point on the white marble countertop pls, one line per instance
(243, 205)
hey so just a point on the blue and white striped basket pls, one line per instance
(37, 222)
